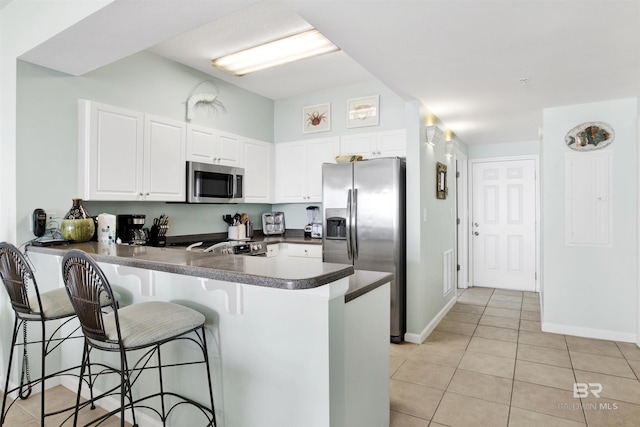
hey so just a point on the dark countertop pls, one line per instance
(362, 281)
(284, 273)
(290, 236)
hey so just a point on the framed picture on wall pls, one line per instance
(441, 181)
(316, 118)
(363, 111)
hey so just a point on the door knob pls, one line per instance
(476, 233)
(475, 224)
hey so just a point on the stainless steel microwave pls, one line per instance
(214, 183)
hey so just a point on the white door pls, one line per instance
(503, 224)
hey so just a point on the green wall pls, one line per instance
(47, 134)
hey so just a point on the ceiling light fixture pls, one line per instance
(293, 48)
(434, 135)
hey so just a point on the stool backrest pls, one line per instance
(16, 274)
(87, 287)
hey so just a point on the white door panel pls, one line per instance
(504, 224)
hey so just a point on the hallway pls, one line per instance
(488, 364)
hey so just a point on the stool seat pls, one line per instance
(55, 304)
(147, 323)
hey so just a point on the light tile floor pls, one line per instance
(26, 413)
(488, 363)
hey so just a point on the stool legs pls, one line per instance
(6, 383)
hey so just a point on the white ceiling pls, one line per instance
(463, 59)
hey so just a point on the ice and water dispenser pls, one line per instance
(336, 224)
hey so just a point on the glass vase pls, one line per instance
(77, 225)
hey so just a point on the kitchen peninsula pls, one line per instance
(292, 342)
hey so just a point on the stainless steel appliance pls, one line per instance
(214, 183)
(364, 223)
(129, 229)
(232, 248)
(273, 223)
(313, 213)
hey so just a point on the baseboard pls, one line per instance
(419, 338)
(50, 383)
(601, 334)
(111, 403)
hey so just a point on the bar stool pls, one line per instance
(29, 305)
(142, 326)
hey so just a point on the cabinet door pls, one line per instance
(304, 251)
(364, 144)
(109, 152)
(319, 151)
(257, 170)
(201, 144)
(228, 149)
(164, 159)
(392, 143)
(291, 165)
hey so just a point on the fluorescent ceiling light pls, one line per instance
(293, 48)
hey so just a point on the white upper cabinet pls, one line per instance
(211, 146)
(125, 155)
(299, 169)
(319, 151)
(291, 170)
(164, 159)
(110, 155)
(258, 170)
(375, 144)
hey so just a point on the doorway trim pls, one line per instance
(462, 213)
(536, 160)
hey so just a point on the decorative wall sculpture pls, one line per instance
(590, 136)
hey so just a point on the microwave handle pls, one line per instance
(230, 186)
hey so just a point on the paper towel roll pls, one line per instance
(106, 228)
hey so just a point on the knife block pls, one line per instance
(157, 236)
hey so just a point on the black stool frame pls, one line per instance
(16, 274)
(85, 282)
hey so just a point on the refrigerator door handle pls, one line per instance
(354, 224)
(348, 231)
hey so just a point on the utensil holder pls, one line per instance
(157, 236)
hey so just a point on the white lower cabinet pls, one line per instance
(273, 250)
(294, 250)
(304, 251)
(299, 169)
(127, 155)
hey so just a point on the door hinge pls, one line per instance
(458, 221)
(458, 267)
(458, 174)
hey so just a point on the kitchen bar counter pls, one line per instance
(260, 271)
(316, 356)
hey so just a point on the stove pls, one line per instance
(229, 247)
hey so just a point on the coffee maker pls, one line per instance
(314, 228)
(129, 229)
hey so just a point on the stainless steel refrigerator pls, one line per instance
(364, 223)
